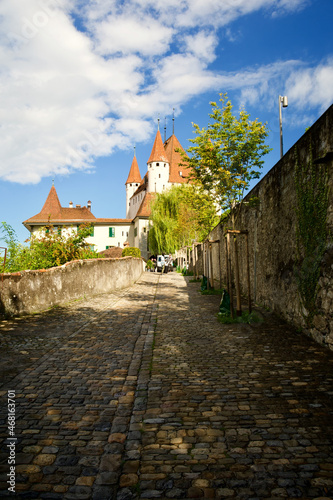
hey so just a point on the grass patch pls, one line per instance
(212, 291)
(246, 317)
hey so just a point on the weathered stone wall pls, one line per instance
(33, 291)
(272, 238)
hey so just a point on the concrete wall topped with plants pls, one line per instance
(290, 232)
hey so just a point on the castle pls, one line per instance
(163, 171)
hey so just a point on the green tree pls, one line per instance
(227, 154)
(179, 216)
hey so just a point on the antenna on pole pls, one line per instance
(284, 101)
(134, 150)
(158, 122)
(173, 121)
(164, 128)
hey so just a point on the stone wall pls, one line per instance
(272, 238)
(26, 292)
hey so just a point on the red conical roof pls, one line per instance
(53, 212)
(134, 175)
(175, 159)
(52, 207)
(158, 152)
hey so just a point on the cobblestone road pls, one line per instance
(143, 394)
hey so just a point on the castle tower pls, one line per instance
(132, 183)
(158, 167)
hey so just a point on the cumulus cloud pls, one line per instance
(113, 35)
(80, 78)
(312, 86)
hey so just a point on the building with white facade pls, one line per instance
(163, 171)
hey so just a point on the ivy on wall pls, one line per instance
(311, 181)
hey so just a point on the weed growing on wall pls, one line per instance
(311, 230)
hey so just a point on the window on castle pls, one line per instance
(122, 233)
(112, 232)
(135, 231)
(157, 164)
(159, 176)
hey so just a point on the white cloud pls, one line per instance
(311, 86)
(202, 45)
(115, 34)
(69, 95)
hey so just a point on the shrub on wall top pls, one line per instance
(131, 252)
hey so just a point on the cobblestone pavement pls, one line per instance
(143, 394)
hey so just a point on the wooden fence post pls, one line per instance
(230, 277)
(211, 264)
(238, 296)
(248, 272)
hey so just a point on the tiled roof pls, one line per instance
(52, 205)
(142, 186)
(174, 159)
(113, 252)
(112, 221)
(53, 212)
(134, 175)
(158, 152)
(145, 207)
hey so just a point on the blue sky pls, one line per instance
(84, 81)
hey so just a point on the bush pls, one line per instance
(131, 252)
(150, 264)
(48, 250)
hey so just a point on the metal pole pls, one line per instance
(280, 117)
(284, 101)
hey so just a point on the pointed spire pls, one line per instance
(134, 175)
(52, 207)
(158, 152)
(171, 149)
